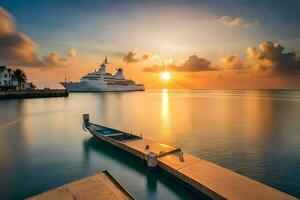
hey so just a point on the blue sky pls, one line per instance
(168, 30)
(104, 22)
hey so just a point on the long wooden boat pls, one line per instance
(106, 133)
(146, 149)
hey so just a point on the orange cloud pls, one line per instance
(145, 56)
(131, 57)
(268, 63)
(192, 64)
(236, 21)
(271, 57)
(72, 53)
(7, 24)
(231, 62)
(16, 48)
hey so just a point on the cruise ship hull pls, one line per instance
(86, 87)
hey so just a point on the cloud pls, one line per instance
(52, 60)
(145, 56)
(131, 57)
(72, 53)
(7, 24)
(266, 61)
(236, 21)
(231, 62)
(16, 48)
(271, 57)
(192, 64)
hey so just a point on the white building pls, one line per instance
(8, 81)
(6, 77)
(27, 86)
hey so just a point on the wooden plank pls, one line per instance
(216, 181)
(155, 147)
(101, 186)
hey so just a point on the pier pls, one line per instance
(217, 182)
(34, 94)
(208, 178)
(97, 187)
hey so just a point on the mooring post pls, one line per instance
(152, 159)
(181, 158)
(86, 118)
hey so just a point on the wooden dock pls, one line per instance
(216, 181)
(34, 94)
(210, 179)
(101, 186)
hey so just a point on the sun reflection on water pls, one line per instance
(165, 103)
(165, 113)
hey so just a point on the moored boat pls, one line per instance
(107, 134)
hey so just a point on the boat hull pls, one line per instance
(86, 87)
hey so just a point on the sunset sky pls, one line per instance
(202, 44)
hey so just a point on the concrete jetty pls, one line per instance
(101, 186)
(216, 181)
(210, 179)
(34, 94)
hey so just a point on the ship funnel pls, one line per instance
(119, 74)
(102, 68)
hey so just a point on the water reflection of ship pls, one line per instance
(106, 110)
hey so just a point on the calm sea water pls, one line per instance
(255, 133)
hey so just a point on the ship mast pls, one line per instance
(105, 60)
(102, 66)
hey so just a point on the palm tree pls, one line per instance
(20, 76)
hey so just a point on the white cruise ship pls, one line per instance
(101, 81)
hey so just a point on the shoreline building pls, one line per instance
(8, 81)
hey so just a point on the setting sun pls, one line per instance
(165, 76)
